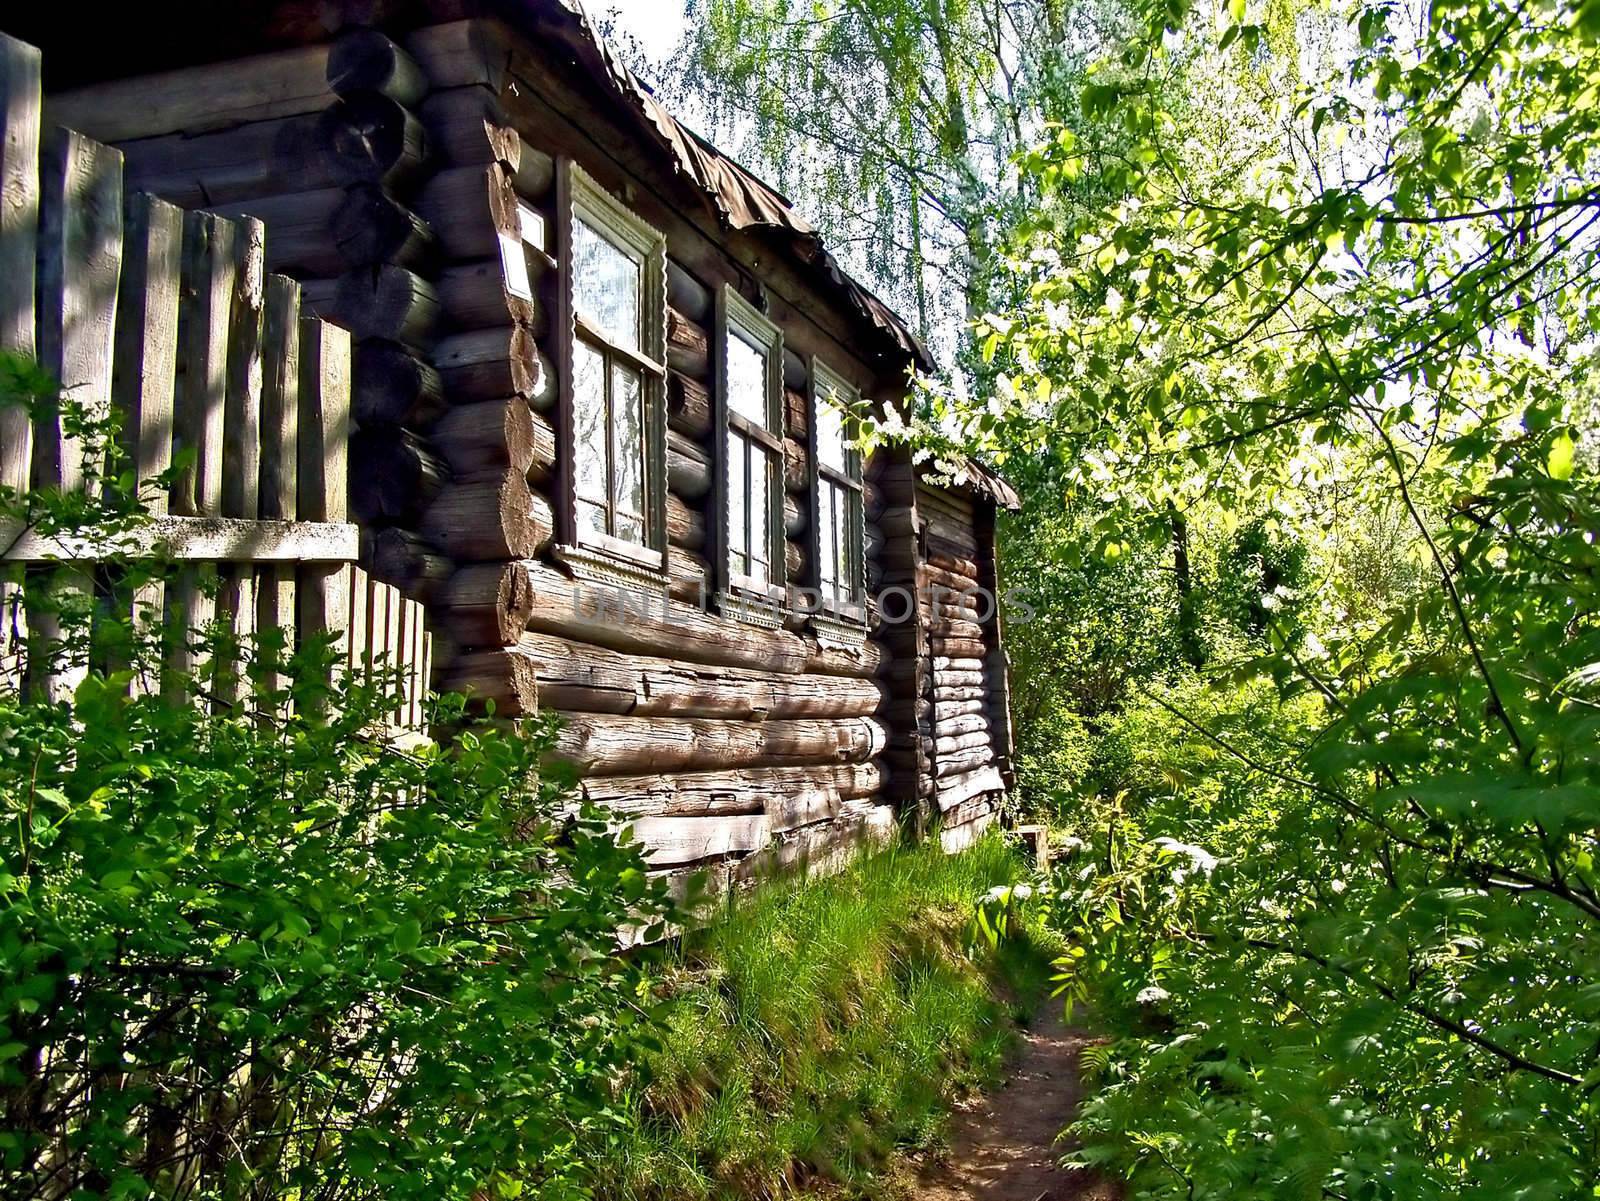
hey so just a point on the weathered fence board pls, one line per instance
(169, 320)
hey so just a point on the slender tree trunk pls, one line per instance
(1188, 624)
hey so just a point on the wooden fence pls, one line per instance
(169, 319)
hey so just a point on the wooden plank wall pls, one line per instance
(171, 320)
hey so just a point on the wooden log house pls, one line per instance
(602, 378)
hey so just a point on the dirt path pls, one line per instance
(1003, 1146)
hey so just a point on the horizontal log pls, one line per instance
(955, 744)
(873, 503)
(688, 467)
(688, 576)
(459, 204)
(611, 744)
(961, 761)
(962, 693)
(952, 582)
(824, 847)
(490, 517)
(686, 527)
(955, 789)
(688, 405)
(796, 414)
(364, 60)
(966, 723)
(688, 295)
(666, 841)
(373, 139)
(965, 648)
(688, 346)
(773, 790)
(370, 227)
(474, 296)
(576, 675)
(492, 435)
(960, 679)
(197, 99)
(393, 386)
(461, 52)
(868, 659)
(796, 469)
(796, 375)
(394, 476)
(794, 560)
(953, 710)
(651, 624)
(388, 302)
(299, 237)
(795, 517)
(944, 666)
(951, 560)
(405, 560)
(283, 157)
(458, 121)
(954, 628)
(488, 605)
(489, 364)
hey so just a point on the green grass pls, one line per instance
(821, 1026)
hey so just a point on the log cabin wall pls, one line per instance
(410, 179)
(967, 735)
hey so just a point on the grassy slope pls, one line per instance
(822, 1025)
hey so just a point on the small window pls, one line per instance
(614, 399)
(751, 403)
(840, 541)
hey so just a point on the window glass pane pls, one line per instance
(827, 539)
(831, 450)
(842, 533)
(626, 390)
(738, 530)
(591, 517)
(760, 540)
(589, 422)
(605, 285)
(747, 380)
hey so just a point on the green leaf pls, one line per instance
(1562, 452)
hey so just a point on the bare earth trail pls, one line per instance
(1003, 1146)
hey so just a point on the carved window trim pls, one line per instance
(740, 595)
(843, 607)
(604, 557)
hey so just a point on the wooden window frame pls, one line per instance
(738, 318)
(851, 609)
(604, 556)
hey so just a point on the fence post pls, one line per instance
(80, 262)
(19, 231)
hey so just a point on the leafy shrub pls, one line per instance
(253, 950)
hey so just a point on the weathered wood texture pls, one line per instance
(172, 321)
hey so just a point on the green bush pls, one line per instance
(821, 1026)
(253, 951)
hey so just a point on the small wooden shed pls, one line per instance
(603, 389)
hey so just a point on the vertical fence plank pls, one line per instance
(19, 231)
(241, 440)
(19, 228)
(208, 268)
(80, 259)
(325, 595)
(145, 368)
(280, 415)
(79, 265)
